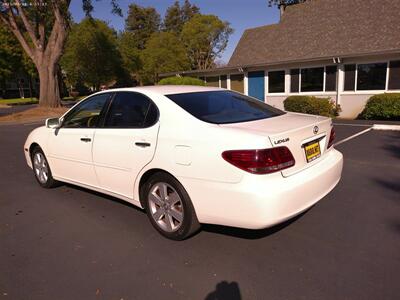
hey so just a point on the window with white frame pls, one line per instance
(276, 82)
(294, 80)
(349, 77)
(312, 80)
(372, 76)
(330, 78)
(394, 75)
(316, 79)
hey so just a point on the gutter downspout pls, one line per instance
(339, 79)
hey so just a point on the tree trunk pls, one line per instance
(49, 87)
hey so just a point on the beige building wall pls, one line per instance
(351, 102)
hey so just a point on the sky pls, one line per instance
(241, 14)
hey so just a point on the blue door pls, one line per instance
(256, 85)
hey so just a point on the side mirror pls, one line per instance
(53, 123)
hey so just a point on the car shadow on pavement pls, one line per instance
(392, 144)
(104, 196)
(225, 291)
(393, 185)
(250, 234)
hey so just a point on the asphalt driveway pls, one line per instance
(71, 243)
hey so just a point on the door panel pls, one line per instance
(70, 157)
(126, 143)
(70, 147)
(118, 160)
(257, 85)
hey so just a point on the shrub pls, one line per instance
(181, 81)
(382, 107)
(311, 105)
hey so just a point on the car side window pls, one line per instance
(131, 110)
(87, 114)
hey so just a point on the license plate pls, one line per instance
(313, 151)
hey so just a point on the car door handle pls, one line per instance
(142, 144)
(86, 140)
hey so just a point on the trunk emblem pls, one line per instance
(281, 141)
(315, 130)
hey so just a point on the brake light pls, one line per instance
(331, 138)
(263, 161)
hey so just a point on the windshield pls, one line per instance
(222, 107)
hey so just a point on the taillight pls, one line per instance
(331, 137)
(261, 161)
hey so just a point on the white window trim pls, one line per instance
(288, 83)
(366, 92)
(387, 75)
(314, 92)
(267, 93)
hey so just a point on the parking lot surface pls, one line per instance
(71, 243)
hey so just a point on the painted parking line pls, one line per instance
(352, 125)
(370, 127)
(353, 136)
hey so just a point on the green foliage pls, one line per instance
(311, 105)
(176, 16)
(382, 107)
(181, 81)
(10, 54)
(142, 22)
(91, 54)
(205, 38)
(163, 53)
(129, 52)
(284, 3)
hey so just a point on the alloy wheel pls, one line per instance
(165, 207)
(41, 167)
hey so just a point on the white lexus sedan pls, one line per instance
(190, 155)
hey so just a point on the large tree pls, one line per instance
(205, 38)
(91, 54)
(130, 54)
(142, 22)
(41, 27)
(163, 53)
(176, 16)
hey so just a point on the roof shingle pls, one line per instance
(321, 29)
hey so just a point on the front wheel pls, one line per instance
(41, 169)
(169, 207)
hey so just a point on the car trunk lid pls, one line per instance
(298, 132)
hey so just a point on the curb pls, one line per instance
(386, 127)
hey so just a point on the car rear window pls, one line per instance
(222, 107)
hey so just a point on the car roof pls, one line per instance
(168, 89)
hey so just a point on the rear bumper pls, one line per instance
(260, 201)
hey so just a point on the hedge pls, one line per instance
(181, 81)
(311, 105)
(382, 107)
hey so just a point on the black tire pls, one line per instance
(189, 224)
(44, 181)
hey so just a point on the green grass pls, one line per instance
(24, 101)
(17, 101)
(72, 99)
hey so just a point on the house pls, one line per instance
(347, 50)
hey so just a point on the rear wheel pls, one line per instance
(169, 207)
(41, 169)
